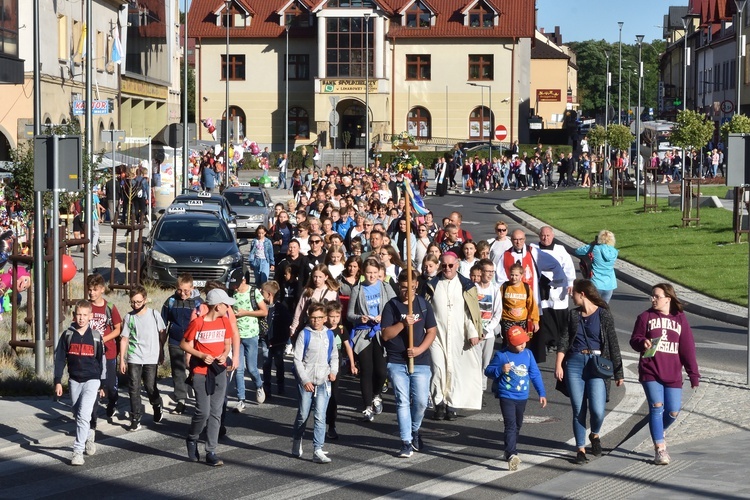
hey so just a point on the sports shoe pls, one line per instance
(239, 407)
(158, 415)
(192, 450)
(451, 415)
(320, 457)
(222, 431)
(581, 458)
(377, 405)
(406, 450)
(332, 434)
(111, 408)
(77, 458)
(297, 448)
(180, 408)
(661, 457)
(260, 396)
(213, 460)
(513, 462)
(416, 443)
(368, 415)
(288, 350)
(439, 413)
(596, 445)
(134, 426)
(90, 444)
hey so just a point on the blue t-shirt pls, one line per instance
(591, 327)
(372, 298)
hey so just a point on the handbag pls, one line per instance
(598, 366)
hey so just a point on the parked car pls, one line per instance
(203, 201)
(199, 243)
(252, 205)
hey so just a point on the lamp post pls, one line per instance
(491, 131)
(686, 63)
(286, 95)
(606, 112)
(639, 159)
(740, 4)
(367, 89)
(228, 4)
(619, 79)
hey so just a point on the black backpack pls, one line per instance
(586, 263)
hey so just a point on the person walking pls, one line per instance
(604, 256)
(591, 333)
(663, 337)
(261, 256)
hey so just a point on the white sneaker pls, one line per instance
(320, 457)
(377, 405)
(260, 396)
(368, 415)
(90, 444)
(297, 448)
(288, 350)
(239, 407)
(77, 458)
(661, 457)
(513, 462)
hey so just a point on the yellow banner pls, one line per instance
(357, 85)
(146, 89)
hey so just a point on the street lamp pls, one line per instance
(286, 95)
(367, 89)
(740, 4)
(619, 79)
(639, 159)
(606, 110)
(686, 63)
(228, 4)
(491, 131)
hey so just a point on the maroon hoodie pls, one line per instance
(676, 348)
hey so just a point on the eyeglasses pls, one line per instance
(137, 302)
(501, 230)
(317, 317)
(657, 297)
(518, 239)
(422, 230)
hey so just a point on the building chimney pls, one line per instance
(558, 36)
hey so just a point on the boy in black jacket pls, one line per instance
(273, 342)
(81, 348)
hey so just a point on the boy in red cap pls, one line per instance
(513, 367)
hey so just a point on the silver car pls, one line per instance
(253, 206)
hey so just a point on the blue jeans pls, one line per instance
(261, 271)
(464, 181)
(412, 392)
(606, 295)
(84, 396)
(585, 392)
(512, 410)
(320, 396)
(282, 180)
(248, 359)
(661, 417)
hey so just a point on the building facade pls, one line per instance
(554, 78)
(441, 70)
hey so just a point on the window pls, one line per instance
(296, 16)
(418, 67)
(63, 50)
(78, 41)
(480, 16)
(480, 67)
(480, 123)
(351, 3)
(345, 46)
(299, 123)
(733, 74)
(236, 67)
(418, 16)
(9, 27)
(418, 123)
(101, 53)
(299, 67)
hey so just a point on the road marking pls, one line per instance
(722, 346)
(357, 473)
(455, 205)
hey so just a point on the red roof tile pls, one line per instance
(516, 19)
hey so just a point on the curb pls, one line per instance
(638, 278)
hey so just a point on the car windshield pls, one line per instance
(244, 199)
(192, 230)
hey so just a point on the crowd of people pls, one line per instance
(483, 313)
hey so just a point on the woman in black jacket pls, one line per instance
(591, 332)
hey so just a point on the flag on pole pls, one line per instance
(416, 201)
(116, 56)
(82, 42)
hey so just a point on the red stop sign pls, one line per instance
(501, 132)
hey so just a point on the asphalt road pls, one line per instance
(461, 460)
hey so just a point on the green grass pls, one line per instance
(702, 258)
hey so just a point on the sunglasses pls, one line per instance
(501, 230)
(313, 242)
(448, 266)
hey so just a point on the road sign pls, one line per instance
(727, 106)
(334, 117)
(501, 132)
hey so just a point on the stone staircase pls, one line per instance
(342, 157)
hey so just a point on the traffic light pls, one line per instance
(677, 102)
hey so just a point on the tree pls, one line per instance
(597, 136)
(619, 137)
(691, 130)
(739, 124)
(190, 91)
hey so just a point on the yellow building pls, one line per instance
(443, 70)
(554, 78)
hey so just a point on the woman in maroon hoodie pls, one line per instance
(663, 337)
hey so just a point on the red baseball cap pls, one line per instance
(517, 335)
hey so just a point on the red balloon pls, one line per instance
(69, 269)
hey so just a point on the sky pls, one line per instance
(597, 19)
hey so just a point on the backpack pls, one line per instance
(586, 263)
(262, 322)
(331, 340)
(140, 192)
